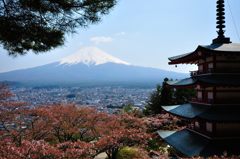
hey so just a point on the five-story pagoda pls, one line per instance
(214, 115)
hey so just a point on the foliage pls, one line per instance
(162, 96)
(131, 110)
(183, 95)
(65, 131)
(12, 116)
(154, 103)
(166, 94)
(40, 25)
(128, 108)
(131, 153)
(162, 122)
(127, 131)
(78, 149)
(33, 150)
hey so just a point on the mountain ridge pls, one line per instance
(104, 70)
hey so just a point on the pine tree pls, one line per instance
(40, 25)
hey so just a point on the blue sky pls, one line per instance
(142, 32)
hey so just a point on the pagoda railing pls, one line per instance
(201, 131)
(211, 70)
(205, 101)
(195, 73)
(225, 101)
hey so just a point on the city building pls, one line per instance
(213, 117)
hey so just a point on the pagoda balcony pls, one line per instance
(195, 73)
(200, 131)
(219, 102)
(217, 71)
(214, 132)
(202, 101)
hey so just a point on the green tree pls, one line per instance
(166, 94)
(183, 95)
(162, 96)
(129, 108)
(40, 25)
(154, 103)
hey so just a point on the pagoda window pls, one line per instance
(210, 95)
(209, 59)
(199, 95)
(210, 67)
(200, 68)
(209, 127)
(197, 125)
(198, 87)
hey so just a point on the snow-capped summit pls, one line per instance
(90, 56)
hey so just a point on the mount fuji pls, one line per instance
(89, 66)
(91, 56)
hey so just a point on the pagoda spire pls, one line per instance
(221, 39)
(220, 18)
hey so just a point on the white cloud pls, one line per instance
(101, 39)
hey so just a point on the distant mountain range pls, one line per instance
(90, 66)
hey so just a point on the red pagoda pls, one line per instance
(213, 116)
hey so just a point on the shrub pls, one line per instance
(129, 153)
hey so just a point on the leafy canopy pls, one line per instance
(40, 25)
(164, 95)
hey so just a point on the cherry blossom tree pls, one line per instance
(65, 131)
(12, 116)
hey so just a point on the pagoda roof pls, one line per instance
(186, 110)
(192, 144)
(223, 113)
(229, 48)
(211, 79)
(192, 57)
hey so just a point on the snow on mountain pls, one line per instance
(76, 70)
(90, 56)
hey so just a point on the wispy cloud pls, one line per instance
(101, 39)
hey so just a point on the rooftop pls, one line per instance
(231, 48)
(223, 113)
(191, 144)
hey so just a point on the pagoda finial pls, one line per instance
(221, 39)
(220, 18)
